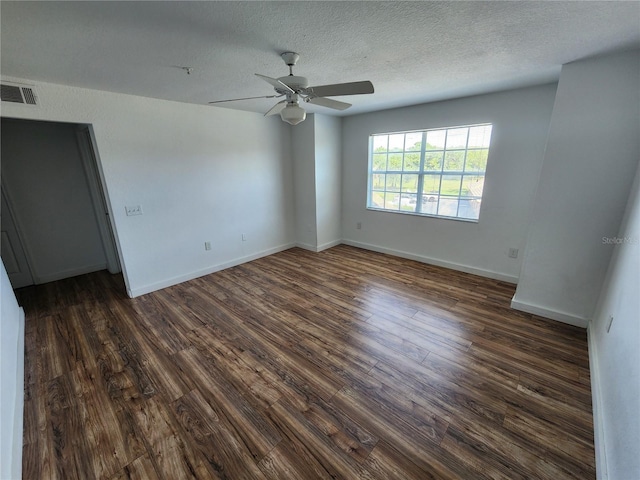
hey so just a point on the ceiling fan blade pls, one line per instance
(277, 108)
(352, 88)
(245, 98)
(275, 82)
(327, 102)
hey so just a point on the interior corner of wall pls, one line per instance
(550, 313)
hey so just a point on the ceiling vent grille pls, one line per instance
(25, 94)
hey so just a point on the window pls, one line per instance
(436, 172)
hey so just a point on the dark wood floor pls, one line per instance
(342, 364)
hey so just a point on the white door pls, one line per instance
(13, 256)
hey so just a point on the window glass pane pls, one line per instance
(380, 143)
(430, 204)
(408, 202)
(433, 161)
(476, 160)
(412, 161)
(450, 185)
(431, 184)
(435, 139)
(396, 142)
(379, 161)
(447, 166)
(472, 185)
(454, 161)
(448, 207)
(457, 138)
(480, 136)
(393, 182)
(410, 183)
(395, 161)
(377, 199)
(377, 182)
(391, 201)
(413, 142)
(469, 208)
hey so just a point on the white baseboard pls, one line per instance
(318, 248)
(549, 313)
(327, 245)
(305, 246)
(602, 472)
(136, 292)
(434, 261)
(74, 272)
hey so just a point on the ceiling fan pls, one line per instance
(296, 88)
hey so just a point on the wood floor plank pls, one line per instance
(347, 435)
(256, 432)
(515, 455)
(344, 364)
(573, 448)
(387, 463)
(108, 432)
(298, 429)
(58, 457)
(292, 459)
(417, 444)
(441, 390)
(140, 469)
(225, 452)
(237, 371)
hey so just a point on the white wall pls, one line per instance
(200, 174)
(304, 172)
(11, 381)
(328, 181)
(615, 356)
(520, 119)
(317, 167)
(590, 159)
(46, 184)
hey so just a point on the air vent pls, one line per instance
(16, 93)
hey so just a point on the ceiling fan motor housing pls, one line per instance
(294, 82)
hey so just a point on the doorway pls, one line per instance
(55, 220)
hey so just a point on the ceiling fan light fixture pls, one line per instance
(293, 114)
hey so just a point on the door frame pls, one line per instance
(101, 205)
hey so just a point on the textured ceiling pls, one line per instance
(413, 52)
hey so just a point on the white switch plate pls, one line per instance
(207, 245)
(134, 210)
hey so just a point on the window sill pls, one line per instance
(416, 214)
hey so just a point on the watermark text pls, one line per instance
(620, 241)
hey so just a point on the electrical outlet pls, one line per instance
(359, 225)
(133, 210)
(207, 245)
(513, 253)
(609, 323)
(244, 237)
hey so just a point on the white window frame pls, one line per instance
(422, 173)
